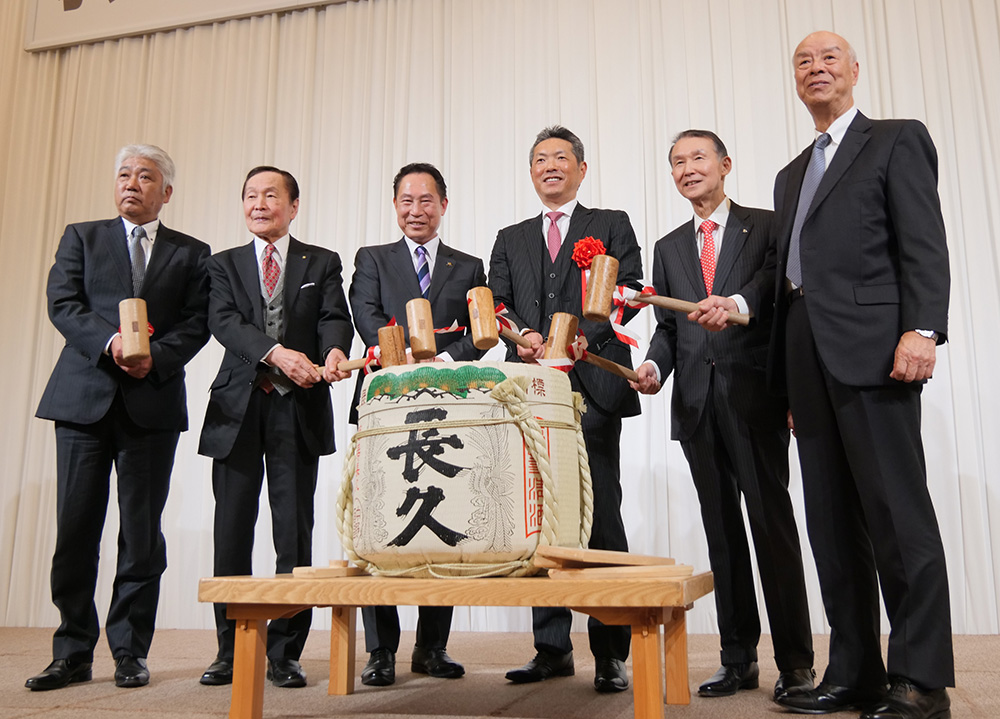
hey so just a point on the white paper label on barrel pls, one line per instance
(442, 471)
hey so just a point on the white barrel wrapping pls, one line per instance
(463, 469)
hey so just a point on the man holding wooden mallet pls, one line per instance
(733, 432)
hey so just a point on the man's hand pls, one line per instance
(296, 366)
(133, 368)
(713, 312)
(915, 358)
(647, 382)
(535, 352)
(330, 372)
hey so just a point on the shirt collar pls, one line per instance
(280, 247)
(566, 209)
(838, 128)
(720, 215)
(431, 246)
(151, 228)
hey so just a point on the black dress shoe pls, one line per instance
(828, 698)
(610, 675)
(730, 679)
(131, 672)
(58, 674)
(794, 681)
(908, 701)
(218, 673)
(380, 671)
(286, 673)
(436, 663)
(544, 665)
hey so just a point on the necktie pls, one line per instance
(554, 238)
(708, 254)
(423, 271)
(810, 183)
(270, 270)
(138, 255)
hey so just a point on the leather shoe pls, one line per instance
(730, 679)
(286, 673)
(828, 698)
(218, 673)
(908, 701)
(131, 672)
(436, 663)
(59, 674)
(794, 681)
(543, 666)
(380, 671)
(610, 675)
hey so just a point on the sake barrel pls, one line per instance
(462, 469)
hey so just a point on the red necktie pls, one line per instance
(554, 238)
(708, 254)
(270, 270)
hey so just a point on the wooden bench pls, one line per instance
(644, 602)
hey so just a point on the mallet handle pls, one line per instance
(612, 367)
(736, 318)
(514, 337)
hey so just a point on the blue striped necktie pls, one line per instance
(810, 183)
(423, 271)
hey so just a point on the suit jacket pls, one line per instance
(873, 250)
(384, 281)
(91, 275)
(517, 268)
(315, 320)
(737, 357)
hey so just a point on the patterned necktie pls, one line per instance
(138, 255)
(810, 183)
(423, 271)
(708, 254)
(554, 238)
(270, 270)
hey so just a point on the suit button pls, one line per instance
(551, 295)
(552, 276)
(550, 316)
(537, 303)
(708, 360)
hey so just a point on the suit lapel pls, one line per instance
(245, 259)
(295, 270)
(163, 250)
(796, 173)
(444, 263)
(117, 244)
(854, 140)
(738, 226)
(687, 257)
(401, 263)
(578, 224)
(533, 256)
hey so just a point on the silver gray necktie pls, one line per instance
(138, 255)
(810, 183)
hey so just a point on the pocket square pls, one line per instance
(307, 284)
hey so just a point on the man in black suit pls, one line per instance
(862, 301)
(733, 432)
(111, 411)
(277, 305)
(385, 278)
(532, 272)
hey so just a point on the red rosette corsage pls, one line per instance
(585, 250)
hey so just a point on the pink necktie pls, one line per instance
(270, 270)
(554, 238)
(708, 254)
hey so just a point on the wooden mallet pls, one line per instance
(134, 328)
(483, 321)
(601, 292)
(420, 322)
(562, 332)
(392, 351)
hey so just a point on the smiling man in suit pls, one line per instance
(109, 411)
(278, 307)
(733, 432)
(862, 302)
(532, 272)
(386, 277)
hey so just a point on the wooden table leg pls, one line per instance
(647, 687)
(249, 669)
(676, 656)
(342, 646)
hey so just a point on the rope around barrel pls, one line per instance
(512, 395)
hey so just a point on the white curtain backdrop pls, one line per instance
(342, 96)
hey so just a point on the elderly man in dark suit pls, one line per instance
(733, 432)
(862, 302)
(112, 411)
(385, 278)
(277, 305)
(533, 273)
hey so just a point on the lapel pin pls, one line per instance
(744, 230)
